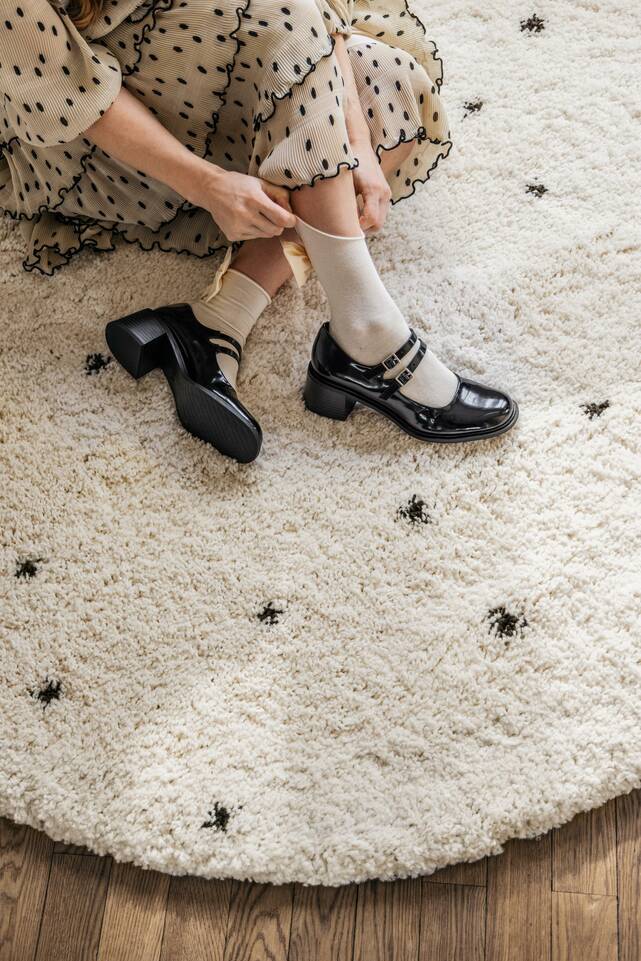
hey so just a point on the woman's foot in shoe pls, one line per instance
(336, 382)
(206, 402)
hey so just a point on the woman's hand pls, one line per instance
(372, 187)
(245, 207)
(369, 180)
(242, 206)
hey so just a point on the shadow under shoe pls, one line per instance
(336, 383)
(206, 403)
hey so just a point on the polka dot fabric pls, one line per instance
(256, 89)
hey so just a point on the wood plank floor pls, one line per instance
(572, 895)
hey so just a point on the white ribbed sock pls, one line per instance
(233, 311)
(365, 321)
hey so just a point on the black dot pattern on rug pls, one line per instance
(595, 410)
(505, 624)
(50, 691)
(95, 363)
(537, 189)
(472, 106)
(415, 511)
(533, 24)
(218, 818)
(270, 614)
(27, 568)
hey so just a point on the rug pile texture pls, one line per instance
(360, 656)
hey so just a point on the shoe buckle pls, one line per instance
(390, 362)
(404, 377)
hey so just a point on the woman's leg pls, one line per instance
(365, 321)
(330, 208)
(257, 273)
(263, 260)
(236, 309)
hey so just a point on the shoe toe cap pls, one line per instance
(484, 405)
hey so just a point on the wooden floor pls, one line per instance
(572, 895)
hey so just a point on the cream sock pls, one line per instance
(365, 321)
(233, 311)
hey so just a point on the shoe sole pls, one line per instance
(327, 400)
(141, 343)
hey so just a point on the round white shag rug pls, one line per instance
(360, 656)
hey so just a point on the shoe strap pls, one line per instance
(394, 359)
(407, 373)
(227, 350)
(237, 353)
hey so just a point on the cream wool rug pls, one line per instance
(359, 657)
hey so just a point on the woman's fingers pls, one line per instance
(279, 195)
(268, 225)
(368, 216)
(383, 208)
(277, 210)
(367, 220)
(245, 207)
(374, 210)
(279, 217)
(260, 227)
(276, 215)
(261, 222)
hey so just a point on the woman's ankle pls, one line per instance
(263, 262)
(230, 314)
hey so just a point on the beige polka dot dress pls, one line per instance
(253, 86)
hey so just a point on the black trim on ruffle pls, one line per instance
(91, 242)
(422, 26)
(86, 157)
(421, 137)
(115, 231)
(158, 6)
(324, 176)
(230, 73)
(275, 99)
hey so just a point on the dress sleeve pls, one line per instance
(338, 14)
(54, 84)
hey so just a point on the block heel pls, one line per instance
(137, 342)
(325, 400)
(206, 402)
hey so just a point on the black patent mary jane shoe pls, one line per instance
(206, 403)
(336, 383)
